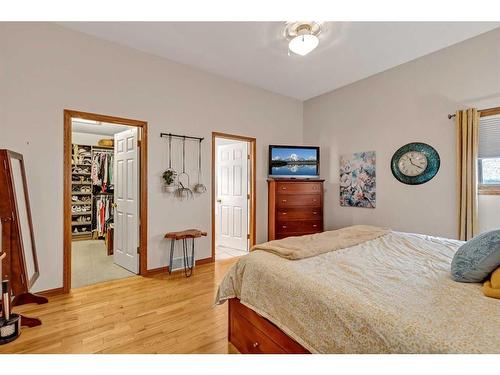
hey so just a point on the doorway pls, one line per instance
(233, 195)
(105, 204)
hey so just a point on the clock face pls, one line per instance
(415, 163)
(412, 163)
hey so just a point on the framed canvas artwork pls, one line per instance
(357, 180)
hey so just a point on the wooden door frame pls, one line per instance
(143, 199)
(253, 196)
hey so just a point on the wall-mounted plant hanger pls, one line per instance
(172, 179)
(170, 135)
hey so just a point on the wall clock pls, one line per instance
(415, 163)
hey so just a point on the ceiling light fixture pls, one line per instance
(302, 36)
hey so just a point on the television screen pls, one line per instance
(293, 161)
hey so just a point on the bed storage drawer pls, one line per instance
(250, 333)
(248, 339)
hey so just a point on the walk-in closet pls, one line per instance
(93, 185)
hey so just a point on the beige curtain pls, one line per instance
(467, 124)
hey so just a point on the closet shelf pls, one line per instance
(82, 167)
(81, 234)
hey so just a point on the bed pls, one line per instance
(389, 294)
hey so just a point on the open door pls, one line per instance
(232, 195)
(126, 200)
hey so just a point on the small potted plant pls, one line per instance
(169, 178)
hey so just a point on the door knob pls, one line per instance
(219, 200)
(114, 205)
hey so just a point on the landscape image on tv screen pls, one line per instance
(294, 161)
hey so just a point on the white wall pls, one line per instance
(45, 69)
(488, 212)
(405, 104)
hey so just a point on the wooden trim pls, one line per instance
(156, 271)
(488, 190)
(489, 112)
(51, 292)
(143, 200)
(199, 262)
(253, 184)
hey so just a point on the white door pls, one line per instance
(126, 199)
(232, 195)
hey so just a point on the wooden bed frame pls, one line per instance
(250, 333)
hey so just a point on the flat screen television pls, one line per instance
(293, 161)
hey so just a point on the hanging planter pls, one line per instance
(170, 174)
(169, 178)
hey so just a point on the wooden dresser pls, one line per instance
(295, 207)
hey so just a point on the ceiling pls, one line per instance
(101, 128)
(255, 53)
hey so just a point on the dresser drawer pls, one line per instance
(298, 187)
(301, 213)
(308, 200)
(250, 340)
(300, 226)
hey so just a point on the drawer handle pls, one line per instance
(283, 213)
(283, 200)
(284, 227)
(315, 225)
(283, 188)
(255, 344)
(314, 199)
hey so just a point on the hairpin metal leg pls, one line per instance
(172, 247)
(188, 265)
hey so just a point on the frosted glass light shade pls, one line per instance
(303, 44)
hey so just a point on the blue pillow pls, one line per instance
(477, 258)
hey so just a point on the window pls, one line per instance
(489, 155)
(489, 171)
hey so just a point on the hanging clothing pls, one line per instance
(103, 214)
(102, 170)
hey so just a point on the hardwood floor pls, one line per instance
(159, 314)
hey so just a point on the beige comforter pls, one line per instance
(319, 243)
(392, 294)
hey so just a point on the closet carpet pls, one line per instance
(90, 264)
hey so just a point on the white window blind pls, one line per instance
(489, 137)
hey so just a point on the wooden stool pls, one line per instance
(184, 235)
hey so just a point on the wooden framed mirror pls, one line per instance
(18, 240)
